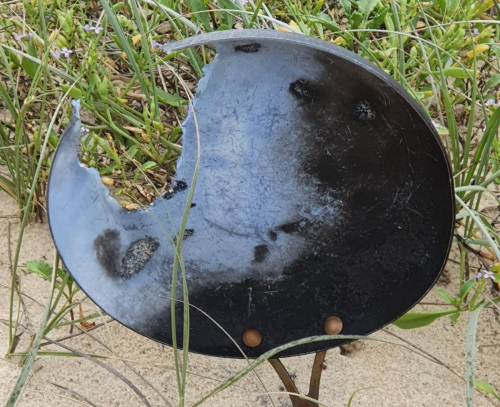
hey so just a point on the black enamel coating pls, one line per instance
(323, 190)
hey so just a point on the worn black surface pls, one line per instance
(323, 190)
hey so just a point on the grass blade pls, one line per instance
(12, 329)
(145, 49)
(106, 367)
(126, 47)
(269, 354)
(74, 393)
(470, 353)
(23, 377)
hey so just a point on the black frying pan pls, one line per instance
(323, 190)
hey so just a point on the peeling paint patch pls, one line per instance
(137, 255)
(365, 111)
(108, 250)
(187, 233)
(176, 186)
(302, 89)
(248, 48)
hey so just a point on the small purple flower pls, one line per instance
(489, 102)
(244, 2)
(57, 55)
(154, 44)
(85, 130)
(484, 274)
(475, 31)
(484, 129)
(488, 274)
(96, 30)
(30, 35)
(66, 52)
(19, 37)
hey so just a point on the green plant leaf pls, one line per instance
(445, 296)
(62, 275)
(486, 388)
(66, 21)
(144, 167)
(451, 5)
(458, 73)
(379, 18)
(169, 99)
(224, 27)
(454, 317)
(44, 270)
(132, 151)
(356, 19)
(412, 320)
(29, 67)
(74, 93)
(346, 5)
(148, 165)
(200, 13)
(304, 28)
(53, 140)
(366, 6)
(118, 6)
(41, 268)
(226, 18)
(13, 59)
(466, 287)
(107, 149)
(442, 131)
(493, 82)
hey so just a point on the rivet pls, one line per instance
(252, 338)
(333, 326)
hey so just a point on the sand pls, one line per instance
(389, 375)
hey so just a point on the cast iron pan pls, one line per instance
(323, 190)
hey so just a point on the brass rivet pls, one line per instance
(252, 338)
(333, 326)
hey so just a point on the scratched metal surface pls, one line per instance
(323, 190)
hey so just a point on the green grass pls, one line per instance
(445, 53)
